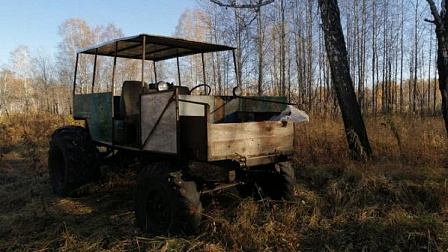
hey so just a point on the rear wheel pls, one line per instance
(71, 160)
(281, 184)
(165, 203)
(275, 181)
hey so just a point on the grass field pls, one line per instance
(396, 201)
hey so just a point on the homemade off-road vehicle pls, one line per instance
(187, 144)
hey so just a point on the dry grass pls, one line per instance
(397, 201)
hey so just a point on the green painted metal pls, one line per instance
(101, 117)
(81, 105)
(262, 104)
(97, 110)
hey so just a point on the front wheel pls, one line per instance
(71, 160)
(165, 203)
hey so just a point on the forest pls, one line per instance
(391, 51)
(394, 199)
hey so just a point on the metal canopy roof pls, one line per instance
(157, 47)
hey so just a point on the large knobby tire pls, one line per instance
(71, 160)
(281, 184)
(276, 181)
(165, 203)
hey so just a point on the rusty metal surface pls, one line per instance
(159, 115)
(101, 117)
(220, 187)
(260, 160)
(157, 47)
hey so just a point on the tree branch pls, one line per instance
(437, 19)
(242, 6)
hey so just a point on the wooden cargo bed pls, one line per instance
(211, 137)
(234, 140)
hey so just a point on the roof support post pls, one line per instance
(76, 71)
(155, 71)
(237, 75)
(113, 70)
(143, 60)
(178, 71)
(203, 73)
(94, 69)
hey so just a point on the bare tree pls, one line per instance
(337, 54)
(234, 4)
(21, 61)
(76, 35)
(260, 48)
(43, 75)
(441, 23)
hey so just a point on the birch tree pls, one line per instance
(21, 62)
(355, 130)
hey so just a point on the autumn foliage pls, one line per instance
(395, 201)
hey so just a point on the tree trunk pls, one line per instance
(260, 41)
(442, 65)
(310, 55)
(401, 56)
(355, 130)
(441, 22)
(282, 49)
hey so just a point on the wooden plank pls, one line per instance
(248, 130)
(233, 140)
(163, 137)
(249, 147)
(219, 109)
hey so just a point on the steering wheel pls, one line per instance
(202, 85)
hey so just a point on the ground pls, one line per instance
(395, 201)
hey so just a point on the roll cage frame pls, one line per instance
(151, 47)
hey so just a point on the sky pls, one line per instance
(35, 23)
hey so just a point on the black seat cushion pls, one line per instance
(129, 102)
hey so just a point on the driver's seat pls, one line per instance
(129, 102)
(130, 110)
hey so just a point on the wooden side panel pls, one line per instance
(159, 122)
(233, 140)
